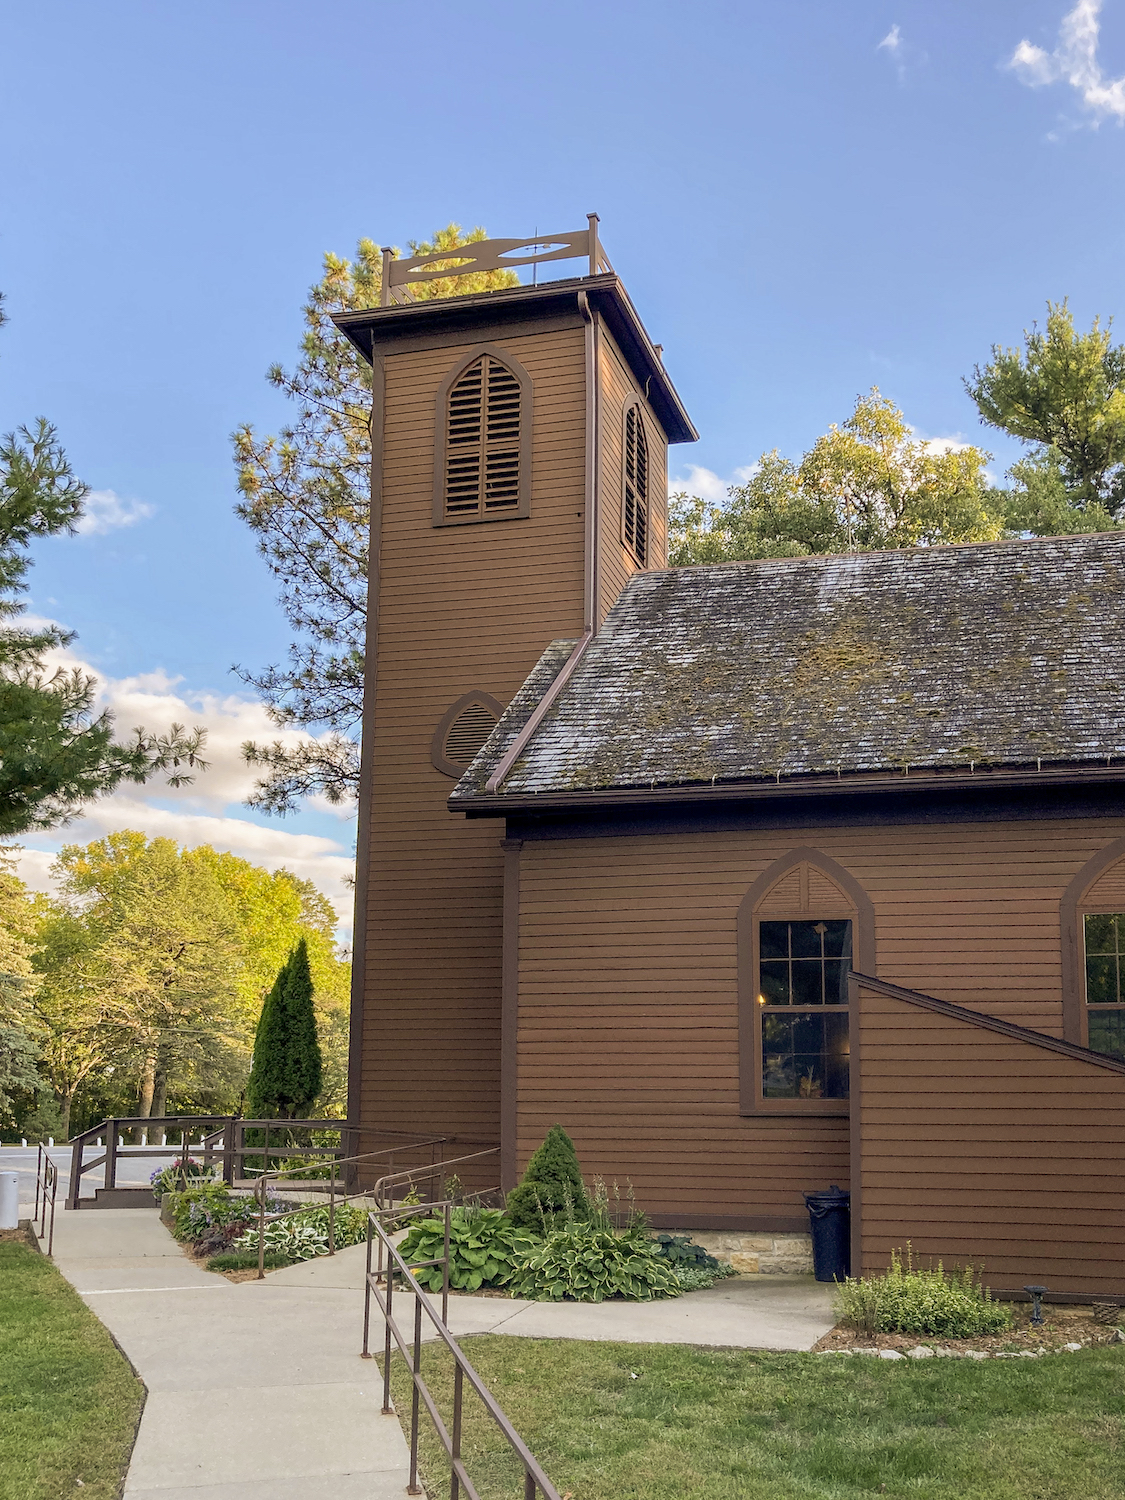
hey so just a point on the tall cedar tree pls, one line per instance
(306, 496)
(54, 753)
(285, 1077)
(552, 1188)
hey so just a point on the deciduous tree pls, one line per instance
(866, 484)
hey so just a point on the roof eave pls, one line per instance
(922, 779)
(362, 328)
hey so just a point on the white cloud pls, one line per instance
(203, 813)
(707, 484)
(892, 41)
(1074, 61)
(105, 510)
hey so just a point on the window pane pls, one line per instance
(808, 981)
(804, 1056)
(1102, 985)
(1103, 934)
(774, 982)
(1107, 1032)
(773, 939)
(804, 963)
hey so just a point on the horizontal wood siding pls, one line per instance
(461, 609)
(628, 1024)
(615, 560)
(980, 1147)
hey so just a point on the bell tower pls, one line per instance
(518, 477)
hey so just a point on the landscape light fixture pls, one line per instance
(1036, 1293)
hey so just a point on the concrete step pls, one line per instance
(120, 1197)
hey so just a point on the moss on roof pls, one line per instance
(1000, 653)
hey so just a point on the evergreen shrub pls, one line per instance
(285, 1074)
(552, 1192)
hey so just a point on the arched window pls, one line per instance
(1093, 926)
(803, 926)
(460, 736)
(634, 512)
(483, 447)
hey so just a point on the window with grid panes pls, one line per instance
(803, 995)
(1105, 984)
(482, 442)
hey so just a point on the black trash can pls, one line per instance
(830, 1221)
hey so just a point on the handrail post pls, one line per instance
(38, 1175)
(445, 1273)
(111, 1153)
(332, 1212)
(75, 1171)
(54, 1190)
(365, 1353)
(258, 1188)
(458, 1397)
(228, 1150)
(414, 1488)
(388, 1408)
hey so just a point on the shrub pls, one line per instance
(588, 1264)
(682, 1252)
(201, 1211)
(485, 1249)
(552, 1192)
(306, 1234)
(172, 1179)
(699, 1278)
(908, 1299)
(285, 1075)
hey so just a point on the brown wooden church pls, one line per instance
(755, 877)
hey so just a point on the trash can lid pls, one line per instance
(833, 1197)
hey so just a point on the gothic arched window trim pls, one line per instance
(859, 910)
(636, 482)
(522, 508)
(438, 757)
(1078, 903)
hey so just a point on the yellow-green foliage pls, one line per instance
(908, 1299)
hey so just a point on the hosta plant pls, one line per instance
(485, 1249)
(305, 1235)
(586, 1263)
(682, 1251)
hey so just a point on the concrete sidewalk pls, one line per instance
(746, 1312)
(255, 1392)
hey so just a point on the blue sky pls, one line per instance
(804, 200)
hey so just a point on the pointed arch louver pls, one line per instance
(483, 447)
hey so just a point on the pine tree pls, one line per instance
(552, 1189)
(285, 1076)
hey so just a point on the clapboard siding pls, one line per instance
(461, 609)
(616, 563)
(628, 1017)
(1029, 1187)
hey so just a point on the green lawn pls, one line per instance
(69, 1403)
(665, 1422)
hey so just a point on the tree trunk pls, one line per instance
(64, 1101)
(148, 1088)
(160, 1095)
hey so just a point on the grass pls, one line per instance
(69, 1403)
(666, 1422)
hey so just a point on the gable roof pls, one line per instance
(1002, 654)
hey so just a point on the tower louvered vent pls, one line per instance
(482, 464)
(467, 734)
(635, 524)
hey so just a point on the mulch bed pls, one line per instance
(1061, 1326)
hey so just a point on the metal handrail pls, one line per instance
(227, 1142)
(535, 1481)
(379, 1192)
(46, 1187)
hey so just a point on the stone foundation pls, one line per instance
(760, 1254)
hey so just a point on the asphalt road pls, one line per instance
(132, 1171)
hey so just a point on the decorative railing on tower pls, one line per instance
(399, 275)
